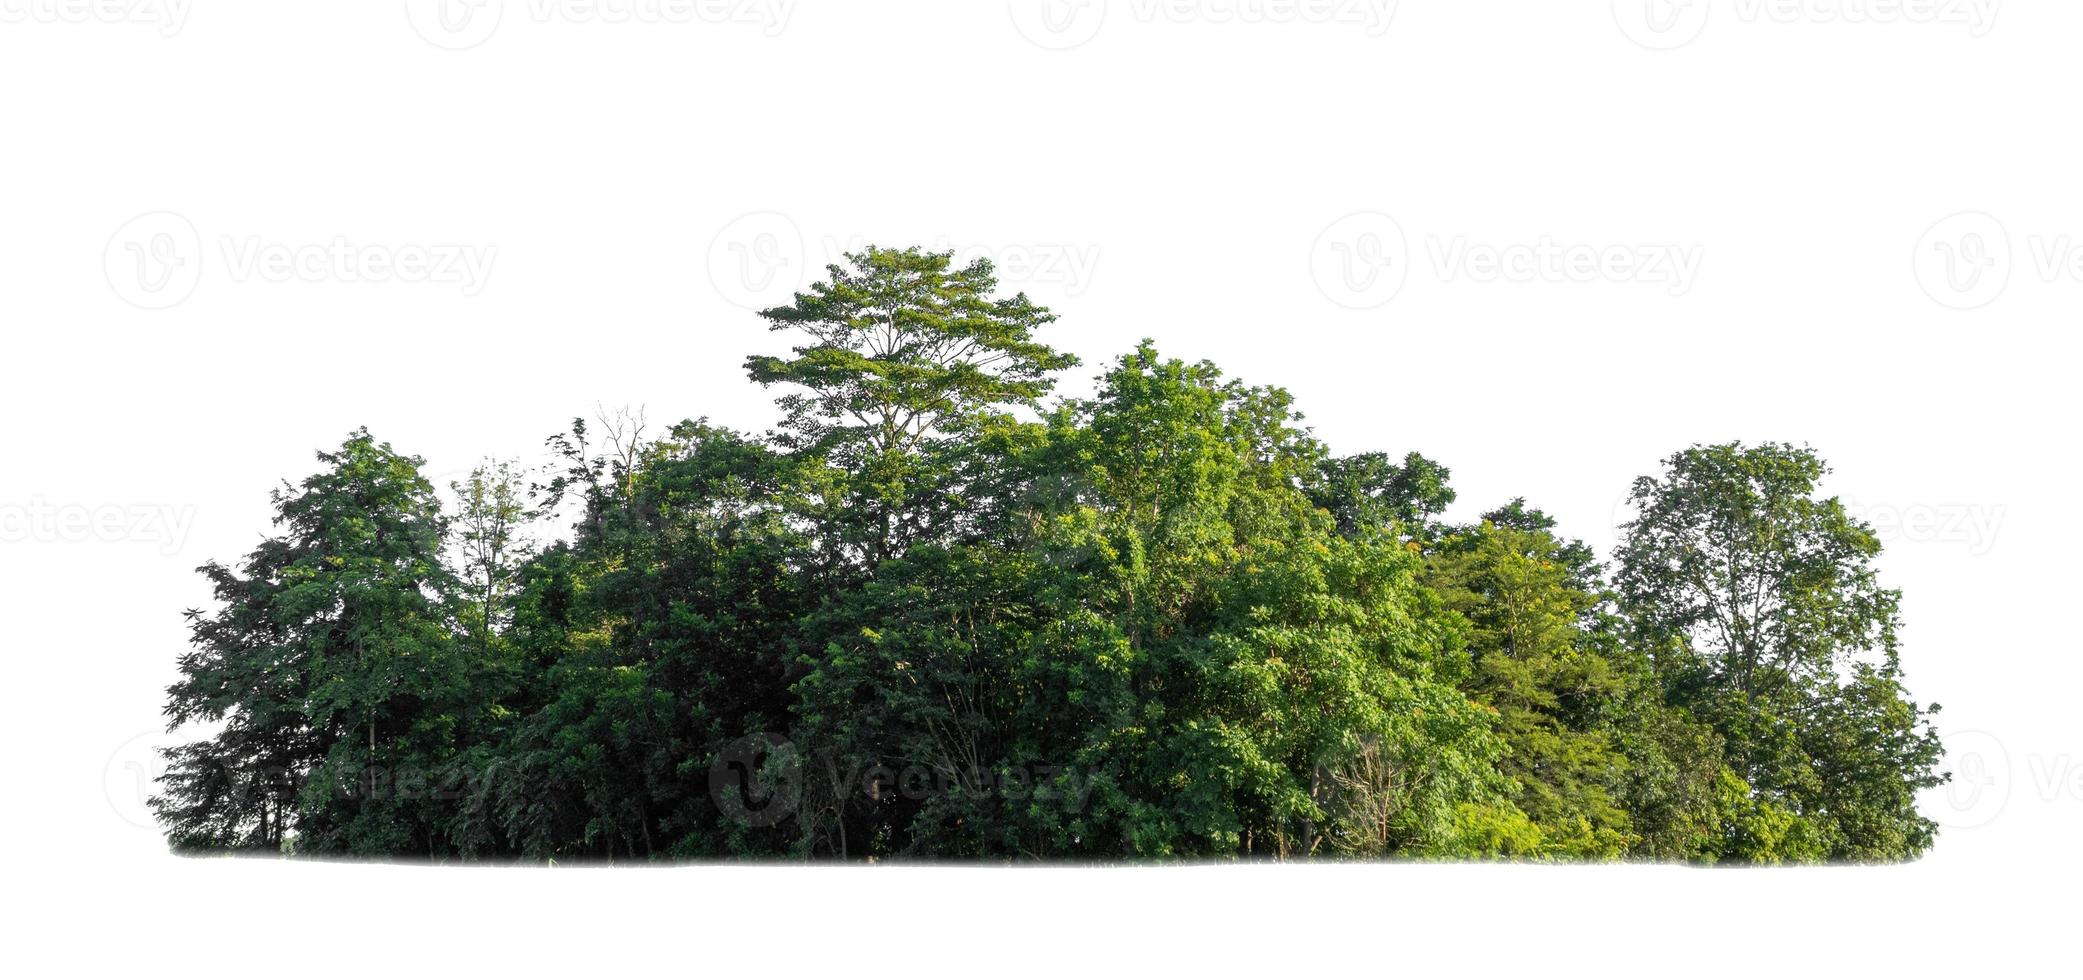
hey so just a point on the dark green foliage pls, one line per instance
(333, 668)
(931, 617)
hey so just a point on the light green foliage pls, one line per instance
(1552, 687)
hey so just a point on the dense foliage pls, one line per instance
(931, 615)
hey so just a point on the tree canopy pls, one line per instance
(935, 614)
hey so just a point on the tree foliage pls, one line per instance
(932, 615)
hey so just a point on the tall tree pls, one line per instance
(493, 508)
(1537, 664)
(330, 669)
(1761, 605)
(903, 348)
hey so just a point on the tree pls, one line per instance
(660, 634)
(904, 348)
(331, 670)
(493, 508)
(929, 616)
(1535, 664)
(1367, 492)
(1762, 608)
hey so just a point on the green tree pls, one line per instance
(1368, 492)
(948, 621)
(903, 349)
(331, 671)
(1762, 608)
(659, 635)
(1554, 689)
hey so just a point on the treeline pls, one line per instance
(931, 615)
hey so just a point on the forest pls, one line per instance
(938, 612)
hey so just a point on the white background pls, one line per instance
(1303, 194)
